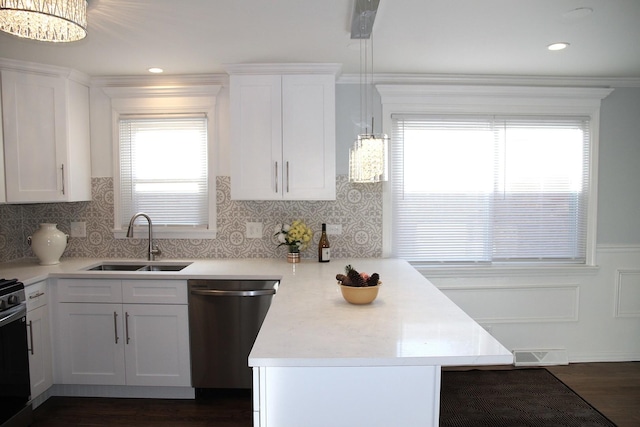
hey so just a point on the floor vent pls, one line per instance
(540, 357)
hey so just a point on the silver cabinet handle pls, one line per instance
(62, 169)
(219, 293)
(30, 325)
(126, 326)
(115, 325)
(287, 176)
(276, 177)
(36, 295)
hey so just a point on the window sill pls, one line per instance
(502, 271)
(163, 233)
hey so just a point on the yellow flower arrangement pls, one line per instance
(297, 235)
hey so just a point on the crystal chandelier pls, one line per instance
(368, 156)
(45, 20)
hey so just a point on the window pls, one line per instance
(163, 170)
(490, 189)
(163, 159)
(491, 175)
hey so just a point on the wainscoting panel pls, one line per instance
(627, 294)
(518, 304)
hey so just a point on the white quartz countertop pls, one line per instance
(310, 324)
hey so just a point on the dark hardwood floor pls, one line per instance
(228, 408)
(612, 388)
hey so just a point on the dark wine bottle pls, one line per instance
(324, 249)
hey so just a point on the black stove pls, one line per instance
(11, 294)
(15, 386)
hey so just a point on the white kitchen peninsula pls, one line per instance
(320, 361)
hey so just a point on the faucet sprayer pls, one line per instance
(153, 249)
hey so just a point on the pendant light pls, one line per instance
(368, 157)
(45, 20)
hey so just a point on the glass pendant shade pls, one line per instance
(368, 158)
(45, 20)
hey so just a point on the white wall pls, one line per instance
(619, 168)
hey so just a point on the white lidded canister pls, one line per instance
(48, 243)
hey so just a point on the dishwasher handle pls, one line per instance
(221, 293)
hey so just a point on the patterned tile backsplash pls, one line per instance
(357, 208)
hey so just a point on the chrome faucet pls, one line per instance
(153, 249)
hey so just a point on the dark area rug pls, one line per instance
(512, 398)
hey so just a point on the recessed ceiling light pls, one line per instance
(558, 46)
(155, 70)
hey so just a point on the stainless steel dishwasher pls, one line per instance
(224, 319)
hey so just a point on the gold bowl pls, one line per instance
(359, 294)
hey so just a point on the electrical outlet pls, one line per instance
(79, 229)
(254, 230)
(334, 229)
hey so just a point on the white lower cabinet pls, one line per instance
(157, 345)
(91, 344)
(117, 343)
(39, 339)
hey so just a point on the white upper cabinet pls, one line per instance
(45, 119)
(283, 132)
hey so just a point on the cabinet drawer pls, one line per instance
(36, 295)
(89, 290)
(154, 291)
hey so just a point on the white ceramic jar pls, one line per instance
(48, 243)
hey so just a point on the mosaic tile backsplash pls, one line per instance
(357, 208)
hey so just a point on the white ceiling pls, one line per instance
(479, 37)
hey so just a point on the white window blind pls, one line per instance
(490, 189)
(163, 169)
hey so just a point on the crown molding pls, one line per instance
(44, 70)
(493, 80)
(161, 91)
(161, 80)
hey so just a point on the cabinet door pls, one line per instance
(34, 121)
(157, 345)
(308, 137)
(46, 138)
(90, 349)
(40, 369)
(256, 137)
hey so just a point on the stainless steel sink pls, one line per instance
(163, 267)
(154, 266)
(116, 267)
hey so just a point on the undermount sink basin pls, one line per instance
(151, 266)
(163, 267)
(116, 267)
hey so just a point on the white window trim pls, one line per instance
(470, 99)
(166, 100)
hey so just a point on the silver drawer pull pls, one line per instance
(126, 326)
(115, 325)
(37, 295)
(30, 325)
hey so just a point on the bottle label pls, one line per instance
(326, 254)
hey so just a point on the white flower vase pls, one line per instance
(48, 243)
